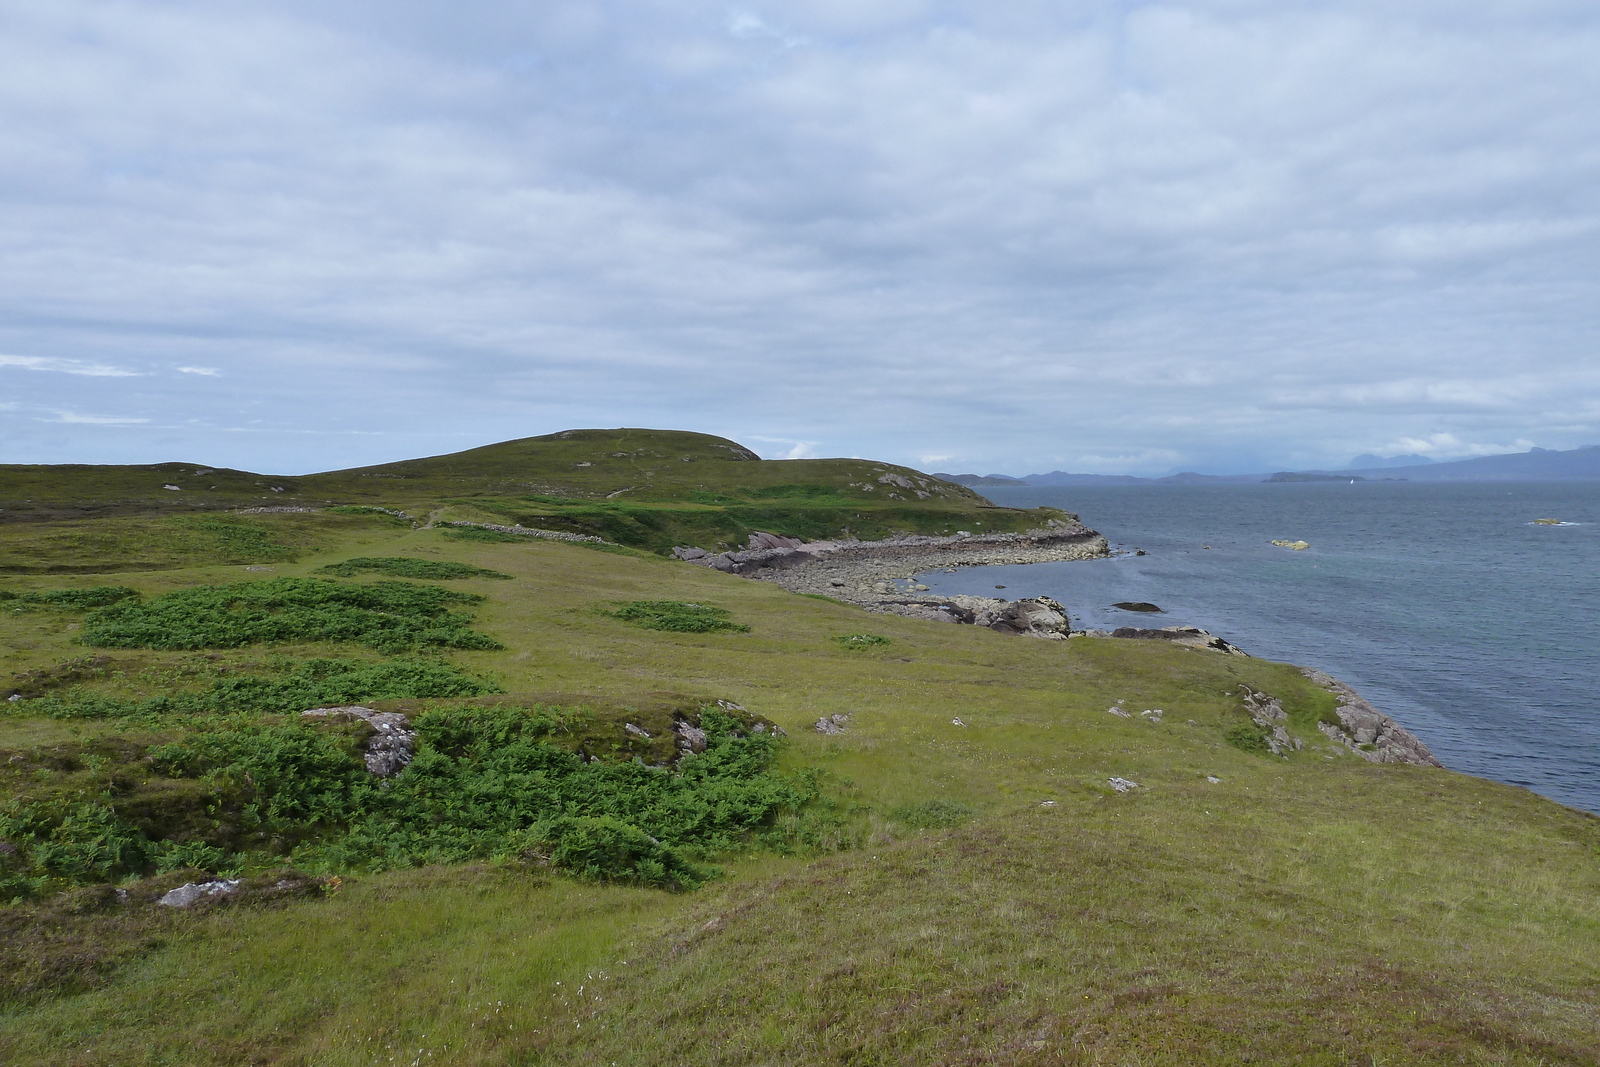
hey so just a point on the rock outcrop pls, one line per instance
(1368, 732)
(388, 749)
(1267, 713)
(1191, 636)
(877, 575)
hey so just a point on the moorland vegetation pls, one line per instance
(603, 849)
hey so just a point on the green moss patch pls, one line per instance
(388, 616)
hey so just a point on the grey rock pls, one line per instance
(831, 724)
(636, 731)
(187, 895)
(1267, 713)
(1368, 732)
(690, 737)
(1032, 617)
(1190, 636)
(1122, 785)
(389, 749)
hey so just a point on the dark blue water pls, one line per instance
(1441, 604)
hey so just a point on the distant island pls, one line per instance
(1535, 465)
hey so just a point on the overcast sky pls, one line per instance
(966, 236)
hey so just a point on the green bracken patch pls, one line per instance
(78, 599)
(409, 567)
(484, 782)
(676, 616)
(300, 685)
(388, 616)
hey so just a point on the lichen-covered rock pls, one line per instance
(831, 724)
(193, 892)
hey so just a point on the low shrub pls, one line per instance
(389, 616)
(407, 567)
(678, 617)
(861, 641)
(1246, 736)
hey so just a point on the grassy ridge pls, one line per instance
(987, 898)
(648, 489)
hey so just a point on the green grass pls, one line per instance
(961, 894)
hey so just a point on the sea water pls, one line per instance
(1446, 606)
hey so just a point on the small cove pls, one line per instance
(1443, 604)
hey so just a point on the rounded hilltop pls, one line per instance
(642, 488)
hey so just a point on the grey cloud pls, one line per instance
(1178, 235)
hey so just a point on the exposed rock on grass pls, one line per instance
(1368, 732)
(1268, 714)
(389, 748)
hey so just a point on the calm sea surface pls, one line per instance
(1441, 604)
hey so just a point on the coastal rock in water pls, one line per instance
(1298, 546)
(1032, 617)
(1368, 732)
(1136, 605)
(1191, 636)
(388, 750)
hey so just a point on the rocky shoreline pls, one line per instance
(879, 575)
(1368, 732)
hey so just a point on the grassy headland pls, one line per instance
(951, 880)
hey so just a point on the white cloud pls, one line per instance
(67, 366)
(94, 420)
(1449, 446)
(209, 372)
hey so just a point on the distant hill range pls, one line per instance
(1535, 465)
(980, 479)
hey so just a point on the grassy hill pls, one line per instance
(951, 879)
(650, 489)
